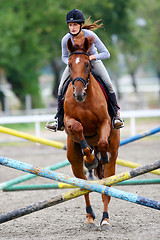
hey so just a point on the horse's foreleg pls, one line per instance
(103, 144)
(75, 130)
(109, 170)
(74, 156)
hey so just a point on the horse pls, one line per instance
(91, 139)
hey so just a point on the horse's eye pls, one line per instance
(87, 65)
(69, 65)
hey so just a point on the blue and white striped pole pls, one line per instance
(139, 136)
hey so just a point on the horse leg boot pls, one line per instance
(90, 161)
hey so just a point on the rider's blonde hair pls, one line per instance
(92, 26)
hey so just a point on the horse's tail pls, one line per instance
(99, 171)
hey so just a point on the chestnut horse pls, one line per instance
(88, 124)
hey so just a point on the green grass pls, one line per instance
(23, 126)
(20, 126)
(148, 120)
(19, 143)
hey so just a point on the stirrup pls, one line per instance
(117, 122)
(53, 126)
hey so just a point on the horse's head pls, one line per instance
(79, 68)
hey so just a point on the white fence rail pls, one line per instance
(132, 115)
(37, 119)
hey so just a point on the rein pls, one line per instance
(78, 52)
(84, 81)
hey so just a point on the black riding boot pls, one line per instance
(58, 123)
(116, 120)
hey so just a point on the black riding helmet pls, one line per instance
(76, 16)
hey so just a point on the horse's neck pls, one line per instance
(94, 88)
(92, 83)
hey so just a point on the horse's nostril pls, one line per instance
(74, 94)
(84, 94)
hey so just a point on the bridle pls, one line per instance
(84, 81)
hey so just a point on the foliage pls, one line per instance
(31, 32)
(151, 33)
(27, 39)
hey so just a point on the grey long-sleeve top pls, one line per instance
(97, 44)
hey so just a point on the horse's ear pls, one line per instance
(86, 45)
(70, 46)
(88, 42)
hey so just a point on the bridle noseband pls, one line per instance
(84, 81)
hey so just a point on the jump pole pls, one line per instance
(8, 185)
(132, 139)
(139, 182)
(139, 136)
(32, 138)
(65, 185)
(62, 146)
(82, 183)
(75, 193)
(30, 176)
(133, 165)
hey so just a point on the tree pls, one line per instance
(27, 43)
(150, 35)
(31, 32)
(17, 41)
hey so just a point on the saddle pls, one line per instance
(104, 86)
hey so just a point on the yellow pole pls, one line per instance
(62, 146)
(134, 165)
(32, 138)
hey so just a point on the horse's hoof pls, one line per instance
(93, 165)
(91, 226)
(90, 178)
(105, 226)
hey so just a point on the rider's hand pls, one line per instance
(92, 57)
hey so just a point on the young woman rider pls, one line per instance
(77, 32)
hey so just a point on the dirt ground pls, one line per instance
(67, 220)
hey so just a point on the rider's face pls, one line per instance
(74, 27)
